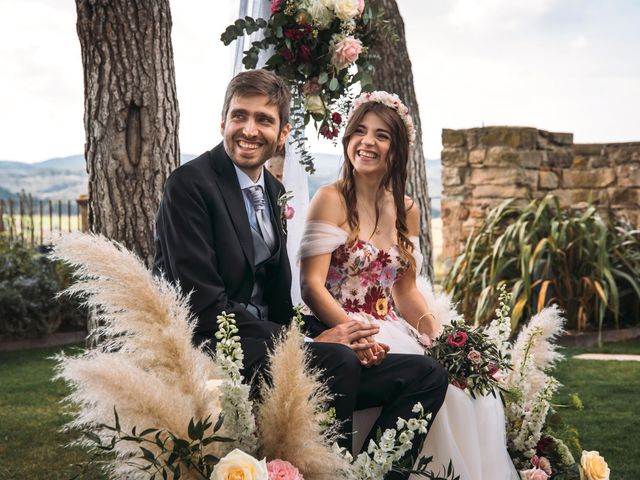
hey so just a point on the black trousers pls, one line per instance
(396, 385)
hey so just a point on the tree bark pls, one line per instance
(393, 73)
(130, 118)
(131, 115)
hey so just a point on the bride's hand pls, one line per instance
(373, 355)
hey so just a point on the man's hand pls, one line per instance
(350, 333)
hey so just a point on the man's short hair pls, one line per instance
(260, 82)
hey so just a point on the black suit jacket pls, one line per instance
(203, 242)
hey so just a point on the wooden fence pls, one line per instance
(37, 222)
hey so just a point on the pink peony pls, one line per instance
(282, 470)
(458, 340)
(345, 52)
(533, 474)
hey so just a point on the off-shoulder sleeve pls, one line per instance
(319, 238)
(417, 254)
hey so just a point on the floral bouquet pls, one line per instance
(322, 47)
(471, 357)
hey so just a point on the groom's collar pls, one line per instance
(246, 182)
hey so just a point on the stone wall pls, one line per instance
(484, 166)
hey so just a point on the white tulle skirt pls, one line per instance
(469, 432)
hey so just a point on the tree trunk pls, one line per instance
(131, 116)
(393, 74)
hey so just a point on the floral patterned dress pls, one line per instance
(468, 432)
(361, 278)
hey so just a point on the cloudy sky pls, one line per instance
(560, 65)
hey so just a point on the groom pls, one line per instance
(219, 234)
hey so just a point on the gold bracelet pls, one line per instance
(425, 315)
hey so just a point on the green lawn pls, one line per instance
(610, 392)
(31, 446)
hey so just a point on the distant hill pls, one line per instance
(65, 178)
(62, 178)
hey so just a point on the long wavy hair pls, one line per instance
(394, 179)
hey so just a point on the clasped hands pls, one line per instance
(359, 337)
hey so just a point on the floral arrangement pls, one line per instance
(322, 47)
(529, 389)
(473, 358)
(149, 369)
(287, 212)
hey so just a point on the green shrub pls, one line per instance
(29, 282)
(545, 254)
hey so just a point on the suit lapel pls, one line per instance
(233, 199)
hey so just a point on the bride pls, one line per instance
(359, 259)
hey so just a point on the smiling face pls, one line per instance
(252, 133)
(369, 145)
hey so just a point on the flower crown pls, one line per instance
(392, 101)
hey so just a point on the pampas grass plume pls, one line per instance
(148, 368)
(294, 400)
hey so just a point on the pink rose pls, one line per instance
(475, 357)
(276, 6)
(289, 212)
(346, 51)
(282, 470)
(533, 474)
(360, 6)
(458, 340)
(493, 369)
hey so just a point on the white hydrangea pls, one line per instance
(321, 12)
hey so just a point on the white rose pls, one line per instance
(346, 9)
(237, 465)
(314, 104)
(593, 467)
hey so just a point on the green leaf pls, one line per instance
(323, 77)
(333, 84)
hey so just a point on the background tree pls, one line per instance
(393, 73)
(130, 117)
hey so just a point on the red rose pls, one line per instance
(336, 118)
(457, 340)
(461, 383)
(304, 54)
(328, 132)
(287, 54)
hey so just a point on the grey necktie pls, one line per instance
(256, 195)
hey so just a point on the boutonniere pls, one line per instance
(286, 211)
